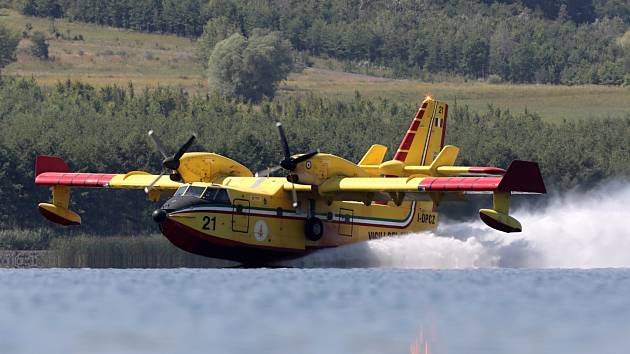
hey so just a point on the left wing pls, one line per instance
(520, 177)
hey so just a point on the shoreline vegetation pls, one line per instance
(39, 249)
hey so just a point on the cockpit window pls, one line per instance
(222, 196)
(217, 195)
(209, 193)
(180, 191)
(194, 191)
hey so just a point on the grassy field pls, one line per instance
(114, 56)
(106, 55)
(551, 102)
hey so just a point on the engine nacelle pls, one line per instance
(320, 167)
(206, 166)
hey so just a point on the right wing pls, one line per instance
(53, 172)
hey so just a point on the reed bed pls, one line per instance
(152, 251)
(72, 250)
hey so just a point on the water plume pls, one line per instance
(575, 230)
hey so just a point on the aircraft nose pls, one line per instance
(159, 215)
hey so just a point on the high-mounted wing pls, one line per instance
(520, 177)
(53, 172)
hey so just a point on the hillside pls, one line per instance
(519, 41)
(110, 55)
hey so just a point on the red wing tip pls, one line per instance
(46, 163)
(523, 176)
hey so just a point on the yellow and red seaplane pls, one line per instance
(218, 208)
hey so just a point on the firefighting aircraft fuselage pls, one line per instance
(219, 208)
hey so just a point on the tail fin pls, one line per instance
(374, 156)
(425, 137)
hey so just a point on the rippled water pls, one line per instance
(314, 311)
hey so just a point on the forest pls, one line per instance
(521, 41)
(104, 130)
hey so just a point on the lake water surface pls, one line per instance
(375, 310)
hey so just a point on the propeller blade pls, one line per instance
(150, 186)
(305, 157)
(283, 139)
(172, 162)
(185, 147)
(158, 143)
(268, 171)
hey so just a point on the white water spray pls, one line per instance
(577, 230)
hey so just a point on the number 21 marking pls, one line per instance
(206, 221)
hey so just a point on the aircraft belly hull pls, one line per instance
(256, 236)
(196, 242)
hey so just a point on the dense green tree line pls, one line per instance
(568, 41)
(104, 130)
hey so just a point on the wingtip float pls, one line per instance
(219, 208)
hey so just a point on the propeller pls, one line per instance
(289, 163)
(169, 162)
(268, 171)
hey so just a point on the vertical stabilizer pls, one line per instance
(374, 156)
(425, 137)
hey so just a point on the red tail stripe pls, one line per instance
(406, 143)
(73, 179)
(408, 139)
(400, 156)
(420, 112)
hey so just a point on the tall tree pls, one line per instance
(216, 30)
(249, 68)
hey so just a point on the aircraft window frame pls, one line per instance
(222, 196)
(219, 196)
(195, 191)
(209, 194)
(183, 188)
